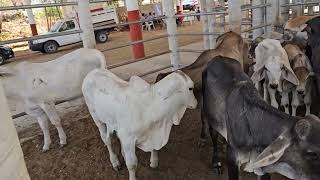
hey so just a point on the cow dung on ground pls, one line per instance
(85, 156)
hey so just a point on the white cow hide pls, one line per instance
(37, 86)
(272, 65)
(140, 113)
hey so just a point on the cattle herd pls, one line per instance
(239, 87)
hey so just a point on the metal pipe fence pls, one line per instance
(215, 12)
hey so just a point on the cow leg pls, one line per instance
(272, 93)
(105, 135)
(130, 158)
(216, 162)
(295, 102)
(233, 169)
(285, 101)
(307, 101)
(54, 118)
(264, 177)
(154, 159)
(265, 91)
(44, 125)
(204, 129)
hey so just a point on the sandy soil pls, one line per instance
(85, 156)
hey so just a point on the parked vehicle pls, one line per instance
(104, 21)
(6, 53)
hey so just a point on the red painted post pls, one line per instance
(135, 29)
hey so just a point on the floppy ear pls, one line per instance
(289, 75)
(274, 151)
(257, 76)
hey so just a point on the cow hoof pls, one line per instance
(62, 145)
(117, 168)
(45, 149)
(217, 168)
(154, 165)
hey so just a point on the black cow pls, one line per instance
(260, 138)
(313, 30)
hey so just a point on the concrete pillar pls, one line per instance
(277, 22)
(12, 165)
(86, 25)
(246, 19)
(285, 10)
(222, 16)
(205, 26)
(168, 9)
(257, 18)
(32, 21)
(297, 10)
(235, 15)
(135, 29)
(211, 24)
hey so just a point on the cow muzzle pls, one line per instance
(273, 86)
(300, 92)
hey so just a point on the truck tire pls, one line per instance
(50, 47)
(101, 36)
(2, 59)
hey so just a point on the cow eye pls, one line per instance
(190, 89)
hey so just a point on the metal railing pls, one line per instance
(246, 8)
(34, 6)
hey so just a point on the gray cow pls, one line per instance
(261, 139)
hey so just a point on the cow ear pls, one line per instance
(307, 29)
(302, 129)
(290, 76)
(274, 151)
(257, 76)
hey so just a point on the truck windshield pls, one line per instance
(56, 26)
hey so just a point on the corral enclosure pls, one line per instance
(86, 157)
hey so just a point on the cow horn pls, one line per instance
(274, 151)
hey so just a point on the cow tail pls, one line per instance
(103, 61)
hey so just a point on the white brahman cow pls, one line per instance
(37, 86)
(272, 66)
(141, 114)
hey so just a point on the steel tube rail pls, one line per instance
(255, 7)
(198, 34)
(257, 27)
(300, 4)
(39, 37)
(154, 71)
(190, 50)
(136, 60)
(8, 8)
(135, 42)
(206, 13)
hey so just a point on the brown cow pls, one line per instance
(230, 45)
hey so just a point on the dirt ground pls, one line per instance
(85, 156)
(117, 39)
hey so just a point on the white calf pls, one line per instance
(37, 86)
(140, 113)
(272, 66)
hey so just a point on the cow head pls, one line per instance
(273, 64)
(302, 68)
(187, 90)
(297, 148)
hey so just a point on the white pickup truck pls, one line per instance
(104, 21)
